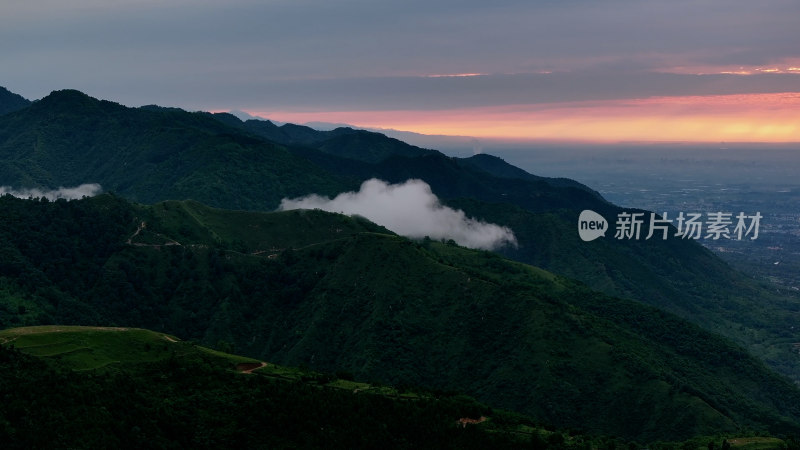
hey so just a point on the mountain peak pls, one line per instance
(74, 100)
(66, 94)
(497, 166)
(10, 102)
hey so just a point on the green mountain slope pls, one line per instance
(343, 294)
(679, 276)
(675, 275)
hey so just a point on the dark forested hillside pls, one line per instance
(172, 394)
(336, 293)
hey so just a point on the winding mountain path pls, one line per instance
(249, 367)
(142, 226)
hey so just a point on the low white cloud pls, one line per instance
(73, 193)
(409, 209)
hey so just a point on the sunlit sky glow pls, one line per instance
(576, 70)
(768, 118)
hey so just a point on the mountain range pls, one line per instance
(337, 293)
(631, 348)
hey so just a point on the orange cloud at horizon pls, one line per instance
(721, 118)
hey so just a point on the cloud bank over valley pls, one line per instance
(72, 193)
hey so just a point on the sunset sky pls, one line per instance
(572, 70)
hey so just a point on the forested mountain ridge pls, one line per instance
(338, 293)
(147, 154)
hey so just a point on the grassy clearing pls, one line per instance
(288, 373)
(90, 348)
